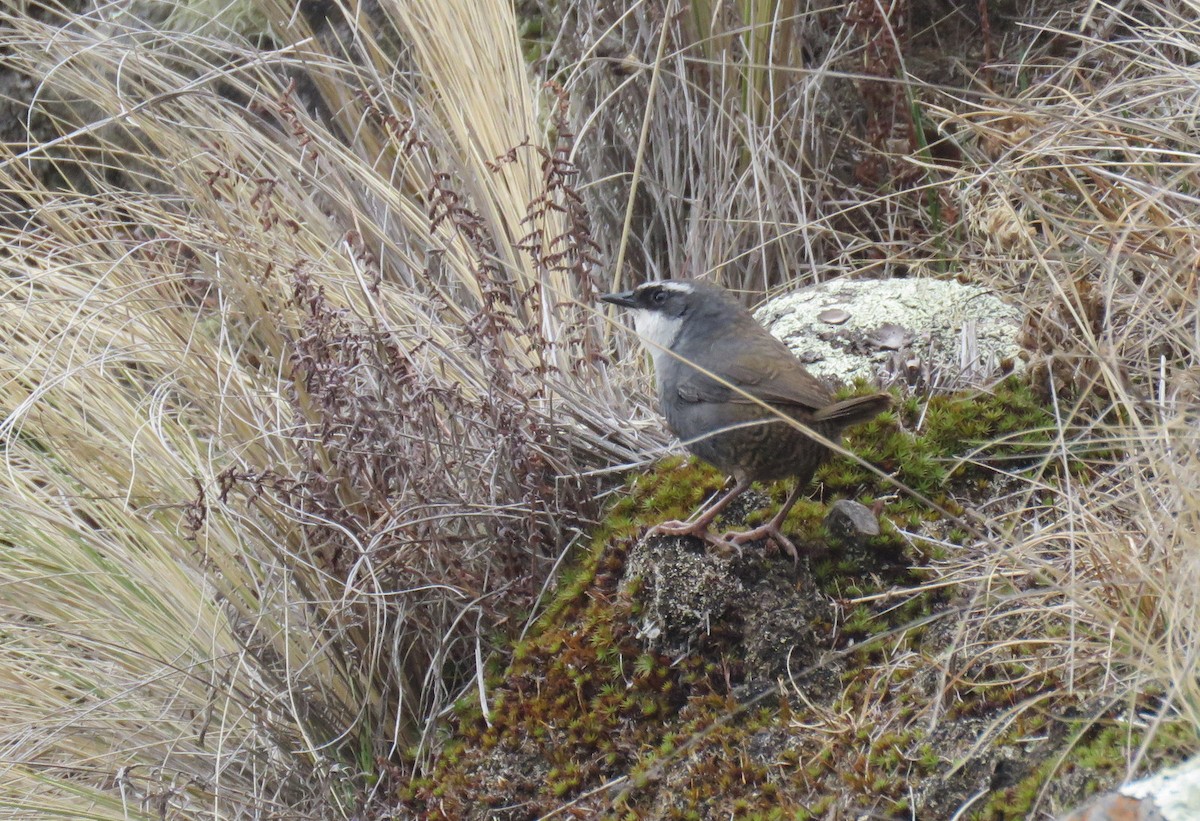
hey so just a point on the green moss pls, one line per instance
(1015, 802)
(921, 442)
(594, 704)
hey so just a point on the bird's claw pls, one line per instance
(697, 530)
(730, 542)
(678, 528)
(768, 531)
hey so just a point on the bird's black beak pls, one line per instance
(624, 299)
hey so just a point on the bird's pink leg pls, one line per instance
(698, 527)
(771, 530)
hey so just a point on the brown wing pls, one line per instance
(758, 364)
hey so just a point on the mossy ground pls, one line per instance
(621, 711)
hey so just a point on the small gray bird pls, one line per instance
(723, 380)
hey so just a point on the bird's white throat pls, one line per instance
(658, 332)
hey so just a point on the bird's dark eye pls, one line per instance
(658, 296)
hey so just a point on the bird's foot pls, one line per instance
(769, 531)
(675, 527)
(697, 530)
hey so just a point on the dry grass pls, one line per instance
(1078, 198)
(294, 403)
(300, 373)
(1065, 177)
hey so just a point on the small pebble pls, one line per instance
(833, 316)
(851, 522)
(891, 337)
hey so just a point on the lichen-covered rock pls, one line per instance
(917, 330)
(1171, 795)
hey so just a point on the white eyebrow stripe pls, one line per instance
(669, 285)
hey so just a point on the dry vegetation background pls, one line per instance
(306, 395)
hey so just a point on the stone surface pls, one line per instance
(1176, 791)
(691, 598)
(1171, 795)
(851, 522)
(924, 332)
(1114, 807)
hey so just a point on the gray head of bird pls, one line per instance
(665, 312)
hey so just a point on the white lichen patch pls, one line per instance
(1175, 791)
(915, 330)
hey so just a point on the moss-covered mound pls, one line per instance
(667, 682)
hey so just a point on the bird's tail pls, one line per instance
(854, 410)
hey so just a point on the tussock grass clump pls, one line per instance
(1048, 152)
(1078, 196)
(709, 136)
(300, 371)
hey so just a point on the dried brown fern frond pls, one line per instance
(300, 375)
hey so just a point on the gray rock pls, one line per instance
(851, 522)
(925, 332)
(1171, 795)
(1113, 807)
